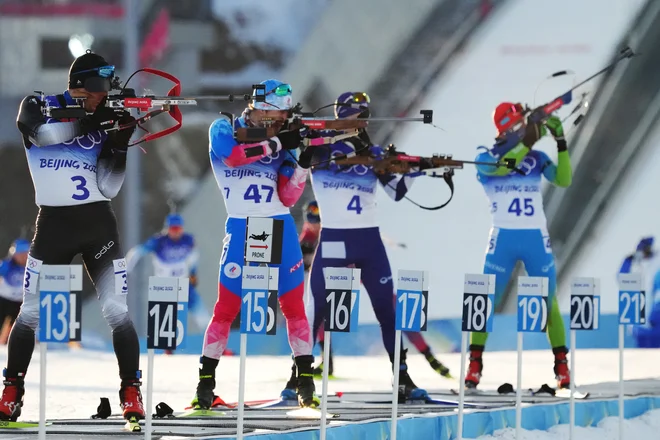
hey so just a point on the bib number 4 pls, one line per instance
(354, 205)
(519, 208)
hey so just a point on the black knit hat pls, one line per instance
(85, 63)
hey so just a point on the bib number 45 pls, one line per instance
(522, 207)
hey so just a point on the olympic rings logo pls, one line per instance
(269, 159)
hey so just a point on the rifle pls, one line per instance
(395, 162)
(316, 127)
(542, 113)
(127, 99)
(437, 165)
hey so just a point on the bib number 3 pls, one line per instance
(82, 191)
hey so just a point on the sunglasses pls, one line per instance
(281, 90)
(103, 72)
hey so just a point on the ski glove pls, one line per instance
(305, 159)
(555, 127)
(118, 140)
(290, 139)
(102, 118)
(557, 130)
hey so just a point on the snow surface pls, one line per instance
(76, 379)
(645, 426)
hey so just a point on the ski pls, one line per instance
(376, 399)
(6, 424)
(276, 403)
(219, 402)
(508, 390)
(192, 412)
(309, 413)
(428, 401)
(132, 425)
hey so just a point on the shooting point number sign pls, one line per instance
(585, 304)
(259, 291)
(412, 300)
(75, 303)
(342, 289)
(532, 304)
(478, 302)
(632, 299)
(59, 308)
(54, 310)
(263, 240)
(162, 319)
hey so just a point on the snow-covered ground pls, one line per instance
(76, 380)
(645, 426)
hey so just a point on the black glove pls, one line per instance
(118, 140)
(290, 139)
(305, 159)
(102, 118)
(533, 133)
(425, 164)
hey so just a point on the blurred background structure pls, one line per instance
(458, 57)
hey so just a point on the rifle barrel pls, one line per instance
(383, 119)
(623, 54)
(229, 97)
(203, 97)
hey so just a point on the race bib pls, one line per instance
(492, 240)
(546, 244)
(225, 248)
(31, 276)
(121, 277)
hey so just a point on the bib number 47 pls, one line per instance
(254, 193)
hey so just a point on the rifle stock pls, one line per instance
(402, 163)
(257, 134)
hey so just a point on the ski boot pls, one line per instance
(12, 398)
(289, 391)
(407, 388)
(204, 396)
(473, 375)
(306, 390)
(130, 399)
(437, 366)
(318, 371)
(562, 373)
